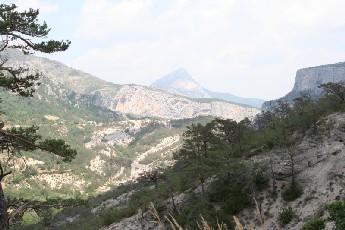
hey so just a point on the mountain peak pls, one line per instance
(180, 74)
(181, 71)
(180, 82)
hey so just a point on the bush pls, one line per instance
(316, 224)
(236, 203)
(114, 215)
(261, 182)
(292, 193)
(285, 216)
(337, 214)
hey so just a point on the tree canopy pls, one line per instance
(21, 30)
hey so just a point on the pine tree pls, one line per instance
(21, 30)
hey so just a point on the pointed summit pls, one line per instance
(180, 74)
(181, 82)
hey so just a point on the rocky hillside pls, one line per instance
(181, 82)
(93, 116)
(308, 79)
(148, 102)
(262, 188)
(320, 170)
(136, 100)
(112, 147)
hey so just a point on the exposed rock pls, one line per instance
(147, 102)
(320, 171)
(58, 180)
(322, 180)
(308, 79)
(97, 165)
(135, 222)
(112, 203)
(137, 168)
(64, 82)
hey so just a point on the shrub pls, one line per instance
(236, 203)
(337, 214)
(261, 182)
(285, 216)
(292, 192)
(114, 215)
(316, 224)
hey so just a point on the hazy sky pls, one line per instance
(250, 48)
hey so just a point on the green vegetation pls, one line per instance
(293, 192)
(211, 175)
(211, 168)
(337, 214)
(114, 215)
(315, 224)
(286, 216)
(261, 182)
(21, 30)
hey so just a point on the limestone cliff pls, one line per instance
(136, 100)
(308, 79)
(148, 102)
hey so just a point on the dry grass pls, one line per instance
(202, 225)
(258, 213)
(155, 214)
(239, 226)
(173, 223)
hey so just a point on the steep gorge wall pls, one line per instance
(147, 102)
(308, 79)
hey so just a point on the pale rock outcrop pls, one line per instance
(308, 79)
(147, 102)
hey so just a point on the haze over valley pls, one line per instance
(174, 114)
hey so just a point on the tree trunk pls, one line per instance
(205, 149)
(273, 176)
(173, 203)
(4, 222)
(292, 168)
(156, 184)
(203, 188)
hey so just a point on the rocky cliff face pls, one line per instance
(128, 99)
(308, 79)
(147, 102)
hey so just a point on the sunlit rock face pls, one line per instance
(136, 100)
(308, 79)
(148, 102)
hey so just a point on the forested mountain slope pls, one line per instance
(284, 171)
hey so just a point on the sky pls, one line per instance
(250, 48)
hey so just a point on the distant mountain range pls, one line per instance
(136, 100)
(182, 83)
